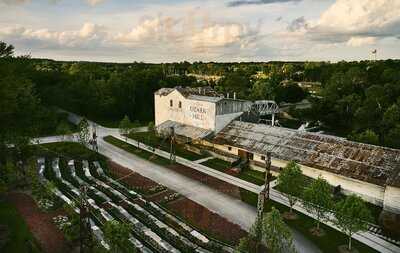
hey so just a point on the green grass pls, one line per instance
(67, 150)
(139, 152)
(151, 139)
(20, 238)
(217, 164)
(375, 210)
(253, 176)
(328, 243)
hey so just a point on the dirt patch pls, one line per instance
(213, 182)
(131, 178)
(40, 223)
(159, 197)
(289, 216)
(317, 232)
(204, 219)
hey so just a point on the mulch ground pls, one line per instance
(201, 217)
(40, 223)
(213, 182)
(134, 180)
(158, 197)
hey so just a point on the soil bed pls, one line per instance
(40, 223)
(209, 222)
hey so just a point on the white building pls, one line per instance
(369, 171)
(195, 112)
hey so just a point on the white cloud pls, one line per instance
(89, 33)
(150, 30)
(361, 41)
(219, 35)
(362, 18)
(94, 2)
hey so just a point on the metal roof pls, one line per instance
(183, 130)
(369, 163)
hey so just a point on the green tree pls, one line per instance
(6, 50)
(125, 126)
(276, 233)
(290, 182)
(270, 232)
(392, 139)
(84, 134)
(352, 216)
(318, 201)
(368, 136)
(63, 129)
(117, 235)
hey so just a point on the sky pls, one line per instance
(202, 30)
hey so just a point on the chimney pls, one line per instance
(234, 95)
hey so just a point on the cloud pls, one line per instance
(88, 35)
(94, 2)
(361, 41)
(17, 2)
(257, 2)
(355, 22)
(221, 35)
(151, 29)
(298, 24)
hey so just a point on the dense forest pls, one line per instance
(357, 100)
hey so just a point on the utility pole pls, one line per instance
(264, 194)
(85, 230)
(172, 157)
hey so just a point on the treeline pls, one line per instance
(359, 100)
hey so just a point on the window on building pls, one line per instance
(250, 156)
(180, 104)
(263, 157)
(171, 103)
(230, 148)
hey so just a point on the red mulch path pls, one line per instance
(40, 224)
(213, 182)
(135, 180)
(206, 220)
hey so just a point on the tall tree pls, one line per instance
(276, 233)
(125, 126)
(318, 201)
(290, 181)
(84, 134)
(6, 50)
(352, 216)
(117, 235)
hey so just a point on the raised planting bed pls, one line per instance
(210, 223)
(151, 139)
(134, 180)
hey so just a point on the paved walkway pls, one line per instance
(204, 159)
(233, 209)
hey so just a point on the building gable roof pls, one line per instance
(369, 163)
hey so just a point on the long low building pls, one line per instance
(206, 117)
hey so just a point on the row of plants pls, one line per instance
(97, 213)
(160, 214)
(351, 215)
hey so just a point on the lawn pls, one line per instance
(139, 152)
(217, 164)
(303, 224)
(151, 139)
(21, 239)
(67, 150)
(375, 210)
(249, 175)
